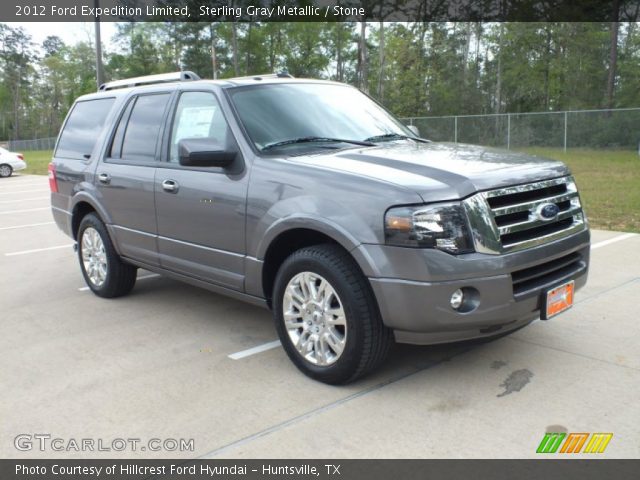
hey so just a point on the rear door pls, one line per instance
(125, 178)
(201, 211)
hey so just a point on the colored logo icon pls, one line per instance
(574, 442)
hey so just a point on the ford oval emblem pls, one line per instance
(548, 211)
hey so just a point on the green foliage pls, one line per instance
(414, 69)
(37, 162)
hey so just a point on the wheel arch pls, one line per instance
(80, 210)
(290, 235)
(82, 204)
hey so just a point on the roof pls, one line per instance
(124, 86)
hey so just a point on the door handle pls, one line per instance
(170, 186)
(104, 178)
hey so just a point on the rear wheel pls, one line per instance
(327, 317)
(103, 270)
(5, 170)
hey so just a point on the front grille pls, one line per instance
(516, 212)
(543, 192)
(530, 281)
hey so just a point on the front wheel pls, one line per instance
(104, 272)
(327, 317)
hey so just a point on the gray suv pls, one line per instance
(309, 198)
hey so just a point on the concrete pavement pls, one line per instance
(156, 364)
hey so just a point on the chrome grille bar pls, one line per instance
(518, 227)
(520, 207)
(527, 187)
(513, 218)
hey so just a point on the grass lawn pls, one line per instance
(37, 161)
(609, 183)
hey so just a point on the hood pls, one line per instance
(441, 171)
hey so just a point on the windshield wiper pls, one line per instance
(293, 141)
(388, 136)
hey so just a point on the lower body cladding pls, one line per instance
(414, 288)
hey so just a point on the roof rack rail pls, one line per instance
(282, 74)
(149, 80)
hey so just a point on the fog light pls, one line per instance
(456, 299)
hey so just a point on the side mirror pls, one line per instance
(204, 152)
(414, 130)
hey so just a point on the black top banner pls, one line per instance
(319, 10)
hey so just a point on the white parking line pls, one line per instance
(604, 243)
(24, 200)
(24, 211)
(25, 183)
(21, 191)
(43, 183)
(35, 250)
(143, 277)
(252, 351)
(26, 226)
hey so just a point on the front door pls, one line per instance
(201, 211)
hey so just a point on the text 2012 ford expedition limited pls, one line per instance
(308, 198)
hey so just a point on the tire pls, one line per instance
(332, 348)
(5, 170)
(104, 272)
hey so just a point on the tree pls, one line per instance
(53, 84)
(303, 49)
(613, 53)
(363, 59)
(16, 57)
(413, 68)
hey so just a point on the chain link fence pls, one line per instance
(615, 129)
(28, 145)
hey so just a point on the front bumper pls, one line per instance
(413, 287)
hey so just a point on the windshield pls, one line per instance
(311, 114)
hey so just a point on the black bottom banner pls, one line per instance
(319, 469)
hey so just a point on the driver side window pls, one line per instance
(198, 115)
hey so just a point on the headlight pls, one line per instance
(442, 226)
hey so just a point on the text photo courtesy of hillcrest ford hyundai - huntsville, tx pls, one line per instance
(317, 249)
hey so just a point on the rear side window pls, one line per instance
(83, 128)
(137, 133)
(116, 144)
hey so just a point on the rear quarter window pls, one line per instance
(83, 127)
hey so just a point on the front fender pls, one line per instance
(337, 220)
(294, 221)
(346, 228)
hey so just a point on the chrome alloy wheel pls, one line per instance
(5, 171)
(94, 257)
(314, 318)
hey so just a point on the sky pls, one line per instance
(69, 32)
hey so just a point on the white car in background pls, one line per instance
(10, 162)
